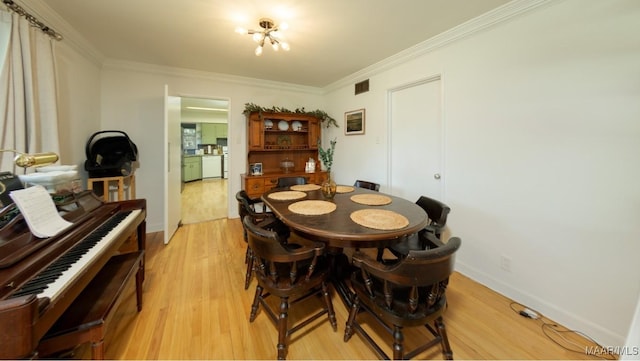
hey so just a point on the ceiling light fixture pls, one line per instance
(270, 33)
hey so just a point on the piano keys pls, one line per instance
(40, 278)
(59, 274)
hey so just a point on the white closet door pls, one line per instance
(415, 130)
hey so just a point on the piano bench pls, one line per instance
(88, 318)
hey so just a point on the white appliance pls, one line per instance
(211, 166)
(225, 162)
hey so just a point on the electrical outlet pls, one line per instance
(505, 263)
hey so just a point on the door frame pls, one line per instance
(171, 156)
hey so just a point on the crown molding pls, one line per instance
(498, 15)
(114, 64)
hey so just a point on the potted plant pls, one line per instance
(326, 156)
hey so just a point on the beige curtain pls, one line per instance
(28, 108)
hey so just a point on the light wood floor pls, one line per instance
(196, 307)
(204, 200)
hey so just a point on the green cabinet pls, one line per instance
(212, 131)
(191, 168)
(209, 133)
(221, 130)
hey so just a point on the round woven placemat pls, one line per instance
(305, 187)
(312, 207)
(371, 199)
(344, 189)
(287, 195)
(381, 219)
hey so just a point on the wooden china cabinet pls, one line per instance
(282, 143)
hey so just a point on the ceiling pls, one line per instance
(329, 39)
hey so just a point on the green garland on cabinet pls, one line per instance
(322, 115)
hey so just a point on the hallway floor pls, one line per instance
(204, 200)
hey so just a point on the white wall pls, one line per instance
(542, 147)
(132, 101)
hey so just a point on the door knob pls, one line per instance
(436, 176)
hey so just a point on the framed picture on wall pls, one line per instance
(354, 122)
(256, 168)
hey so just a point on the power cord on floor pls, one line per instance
(554, 332)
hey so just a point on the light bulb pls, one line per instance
(257, 37)
(283, 26)
(285, 46)
(275, 34)
(241, 30)
(275, 46)
(259, 50)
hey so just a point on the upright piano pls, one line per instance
(41, 277)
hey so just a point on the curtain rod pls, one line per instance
(32, 19)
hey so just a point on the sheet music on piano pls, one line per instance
(39, 211)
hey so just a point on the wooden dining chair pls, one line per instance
(290, 181)
(437, 213)
(293, 270)
(246, 207)
(368, 185)
(404, 295)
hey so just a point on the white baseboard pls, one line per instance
(603, 336)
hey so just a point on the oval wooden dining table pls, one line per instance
(338, 231)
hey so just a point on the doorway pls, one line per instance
(206, 197)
